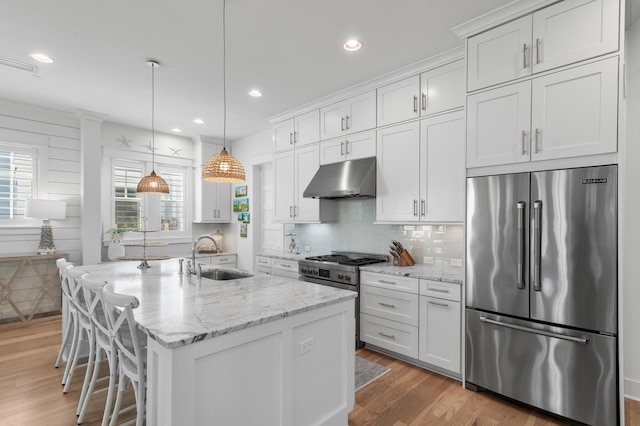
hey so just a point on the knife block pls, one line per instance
(405, 259)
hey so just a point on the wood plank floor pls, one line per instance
(31, 394)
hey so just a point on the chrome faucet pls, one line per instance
(193, 252)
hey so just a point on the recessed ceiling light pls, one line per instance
(198, 121)
(352, 45)
(41, 58)
(176, 130)
(255, 93)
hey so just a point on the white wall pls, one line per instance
(59, 134)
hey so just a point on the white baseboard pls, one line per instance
(632, 389)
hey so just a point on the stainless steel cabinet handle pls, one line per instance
(346, 121)
(294, 211)
(284, 265)
(438, 290)
(346, 145)
(524, 146)
(537, 236)
(537, 137)
(342, 124)
(290, 211)
(290, 138)
(388, 305)
(583, 340)
(387, 282)
(415, 103)
(295, 137)
(341, 148)
(388, 336)
(538, 51)
(423, 205)
(521, 239)
(415, 207)
(524, 56)
(424, 101)
(444, 305)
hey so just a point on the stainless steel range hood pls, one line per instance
(353, 178)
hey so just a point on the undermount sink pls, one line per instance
(223, 274)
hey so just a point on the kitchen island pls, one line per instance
(258, 350)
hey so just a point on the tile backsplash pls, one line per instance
(355, 231)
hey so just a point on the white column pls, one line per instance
(91, 161)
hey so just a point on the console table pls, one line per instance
(29, 286)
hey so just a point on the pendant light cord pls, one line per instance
(153, 113)
(224, 74)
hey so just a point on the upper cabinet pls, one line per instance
(432, 92)
(300, 130)
(360, 145)
(349, 116)
(564, 33)
(212, 200)
(564, 114)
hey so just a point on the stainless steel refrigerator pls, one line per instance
(541, 290)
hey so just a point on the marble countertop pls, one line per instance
(284, 255)
(177, 310)
(430, 272)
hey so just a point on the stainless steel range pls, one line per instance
(341, 270)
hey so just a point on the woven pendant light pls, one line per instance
(152, 184)
(223, 167)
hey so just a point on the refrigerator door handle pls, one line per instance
(582, 340)
(521, 238)
(537, 246)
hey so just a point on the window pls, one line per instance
(127, 204)
(172, 204)
(17, 178)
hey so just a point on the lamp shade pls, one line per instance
(46, 209)
(223, 168)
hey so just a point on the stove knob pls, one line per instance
(348, 277)
(340, 276)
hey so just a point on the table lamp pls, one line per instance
(46, 210)
(217, 236)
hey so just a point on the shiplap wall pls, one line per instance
(59, 134)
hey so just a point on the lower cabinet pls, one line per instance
(285, 268)
(228, 260)
(263, 264)
(413, 317)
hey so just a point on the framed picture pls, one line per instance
(241, 191)
(244, 217)
(243, 230)
(241, 205)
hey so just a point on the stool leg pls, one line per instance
(74, 362)
(90, 367)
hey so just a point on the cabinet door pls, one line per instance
(332, 121)
(500, 54)
(223, 199)
(498, 123)
(439, 342)
(442, 173)
(283, 135)
(442, 88)
(575, 112)
(361, 145)
(574, 30)
(283, 178)
(360, 112)
(397, 174)
(398, 101)
(332, 151)
(307, 161)
(307, 128)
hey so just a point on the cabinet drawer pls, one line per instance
(394, 305)
(391, 335)
(223, 260)
(285, 265)
(439, 289)
(263, 261)
(263, 269)
(392, 282)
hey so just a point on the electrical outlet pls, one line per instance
(307, 248)
(305, 346)
(427, 260)
(456, 262)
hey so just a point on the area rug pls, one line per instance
(367, 372)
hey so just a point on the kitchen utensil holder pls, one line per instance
(405, 259)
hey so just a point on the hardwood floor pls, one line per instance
(31, 394)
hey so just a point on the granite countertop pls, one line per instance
(430, 272)
(177, 310)
(284, 255)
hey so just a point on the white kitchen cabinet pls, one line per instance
(352, 115)
(440, 332)
(561, 34)
(224, 260)
(435, 91)
(212, 200)
(293, 170)
(298, 131)
(285, 268)
(565, 114)
(359, 145)
(263, 264)
(389, 312)
(420, 175)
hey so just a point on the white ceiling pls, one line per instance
(289, 49)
